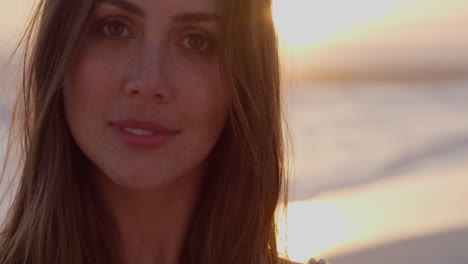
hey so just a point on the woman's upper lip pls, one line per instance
(154, 127)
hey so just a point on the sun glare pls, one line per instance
(306, 22)
(312, 228)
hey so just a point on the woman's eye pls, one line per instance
(115, 29)
(197, 42)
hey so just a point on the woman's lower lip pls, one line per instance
(141, 142)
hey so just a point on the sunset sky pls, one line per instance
(373, 34)
(313, 23)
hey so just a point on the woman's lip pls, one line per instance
(161, 134)
(153, 127)
(141, 142)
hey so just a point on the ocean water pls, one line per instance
(347, 134)
(381, 172)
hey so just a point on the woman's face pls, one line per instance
(144, 101)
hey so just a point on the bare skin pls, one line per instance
(154, 61)
(153, 224)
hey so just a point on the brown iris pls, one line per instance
(196, 41)
(115, 29)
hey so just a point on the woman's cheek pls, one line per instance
(200, 88)
(90, 89)
(204, 106)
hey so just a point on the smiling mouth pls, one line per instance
(143, 128)
(141, 135)
(138, 132)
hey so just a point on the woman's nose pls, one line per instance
(149, 78)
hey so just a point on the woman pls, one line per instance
(151, 133)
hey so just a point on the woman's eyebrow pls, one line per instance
(127, 6)
(189, 17)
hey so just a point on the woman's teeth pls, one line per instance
(138, 132)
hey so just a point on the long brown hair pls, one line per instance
(56, 216)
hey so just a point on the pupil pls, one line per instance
(115, 29)
(196, 42)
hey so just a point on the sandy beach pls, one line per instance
(405, 216)
(446, 247)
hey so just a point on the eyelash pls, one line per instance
(101, 26)
(209, 40)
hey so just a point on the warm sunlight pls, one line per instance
(375, 213)
(309, 227)
(305, 22)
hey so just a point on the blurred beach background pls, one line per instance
(376, 96)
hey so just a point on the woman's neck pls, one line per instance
(152, 224)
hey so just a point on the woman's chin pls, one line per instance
(137, 181)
